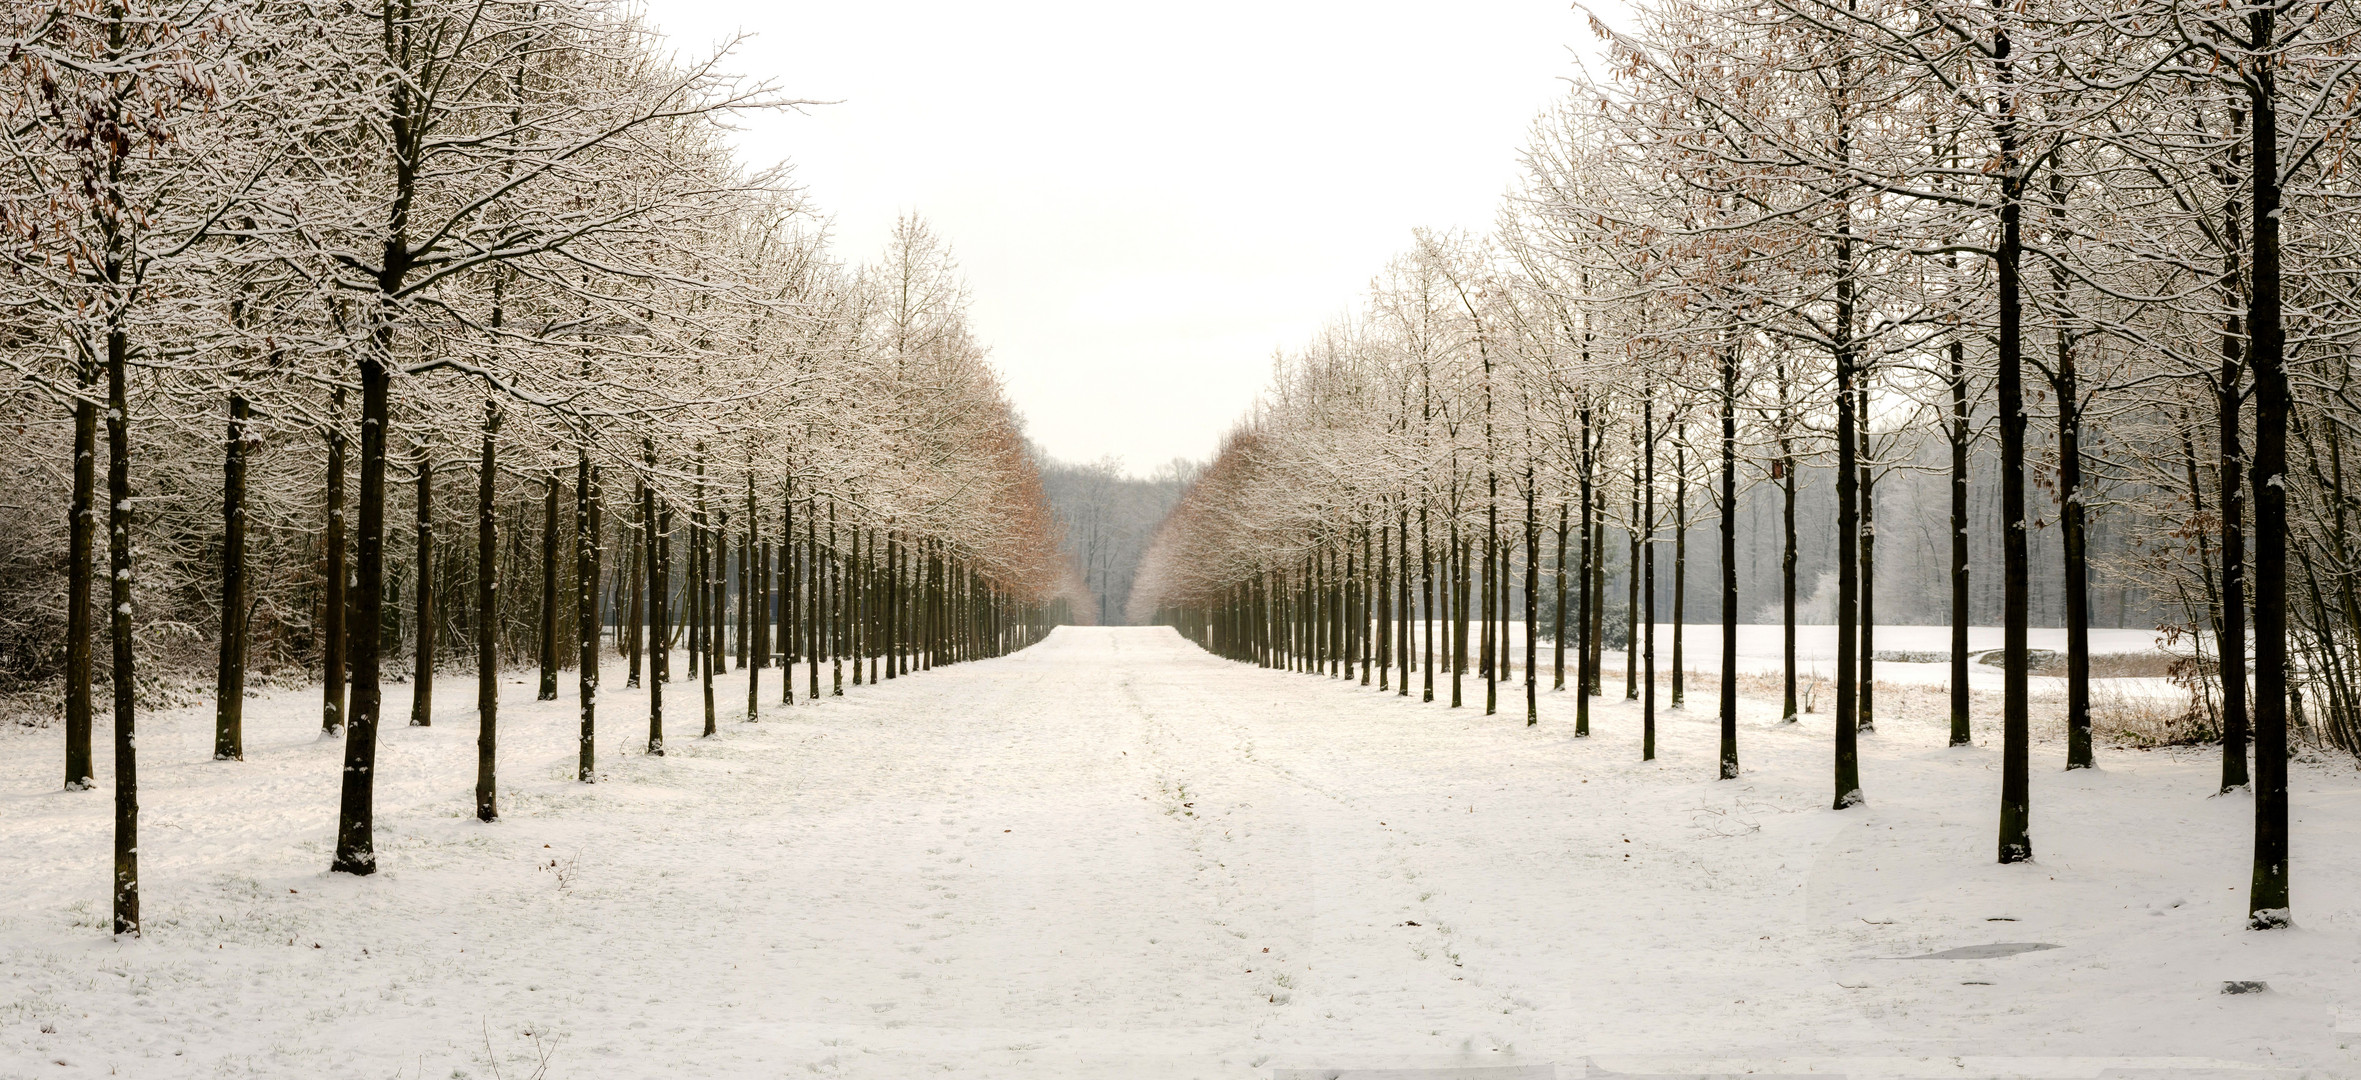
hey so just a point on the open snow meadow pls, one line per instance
(1112, 854)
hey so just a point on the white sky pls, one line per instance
(1148, 199)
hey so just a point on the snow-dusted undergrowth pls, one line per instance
(1112, 855)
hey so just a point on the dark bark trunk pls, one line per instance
(1848, 515)
(356, 850)
(2231, 649)
(745, 582)
(1403, 598)
(1459, 614)
(2267, 902)
(753, 603)
(586, 618)
(126, 887)
(1385, 605)
(1961, 731)
(549, 550)
(1586, 674)
(229, 684)
(635, 621)
(1631, 586)
(693, 582)
(422, 672)
(2229, 397)
(1557, 630)
(1787, 556)
(334, 651)
(487, 619)
(81, 542)
(1426, 573)
(1729, 558)
(1532, 600)
(1866, 720)
(2074, 536)
(1490, 640)
(1680, 564)
(838, 631)
(702, 633)
(1647, 540)
(2016, 843)
(655, 525)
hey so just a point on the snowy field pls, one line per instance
(1114, 856)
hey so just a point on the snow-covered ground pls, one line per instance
(1115, 856)
(1760, 649)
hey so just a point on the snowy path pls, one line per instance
(1114, 856)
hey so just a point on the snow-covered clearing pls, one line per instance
(1112, 855)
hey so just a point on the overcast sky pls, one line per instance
(1148, 199)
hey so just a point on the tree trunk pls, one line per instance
(1586, 683)
(356, 850)
(1532, 599)
(1631, 590)
(655, 525)
(1961, 733)
(1426, 573)
(790, 589)
(1557, 616)
(229, 685)
(487, 619)
(1729, 557)
(707, 626)
(2076, 536)
(1848, 528)
(2016, 843)
(635, 621)
(2230, 648)
(1385, 605)
(81, 541)
(422, 674)
(753, 600)
(1403, 598)
(2267, 902)
(1647, 534)
(549, 549)
(815, 604)
(745, 581)
(333, 648)
(126, 890)
(837, 613)
(586, 618)
(1459, 613)
(1866, 720)
(1680, 563)
(1787, 559)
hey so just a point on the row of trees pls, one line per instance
(1838, 234)
(498, 252)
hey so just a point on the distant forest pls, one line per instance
(1108, 518)
(1910, 581)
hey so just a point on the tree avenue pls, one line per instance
(2091, 256)
(492, 256)
(377, 340)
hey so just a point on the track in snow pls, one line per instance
(1113, 855)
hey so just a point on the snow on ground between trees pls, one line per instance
(1114, 855)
